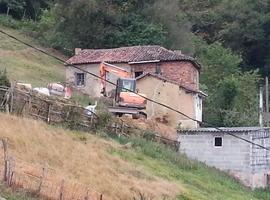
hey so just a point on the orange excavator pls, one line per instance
(126, 101)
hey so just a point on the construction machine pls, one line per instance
(126, 100)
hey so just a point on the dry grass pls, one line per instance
(87, 161)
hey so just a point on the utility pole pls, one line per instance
(266, 95)
(261, 108)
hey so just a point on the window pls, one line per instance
(138, 73)
(158, 69)
(218, 142)
(80, 79)
(127, 85)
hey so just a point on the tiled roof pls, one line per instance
(129, 55)
(167, 80)
(223, 130)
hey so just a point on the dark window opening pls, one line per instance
(158, 69)
(138, 73)
(80, 79)
(218, 141)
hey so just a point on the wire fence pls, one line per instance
(54, 110)
(41, 182)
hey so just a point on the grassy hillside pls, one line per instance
(116, 171)
(10, 194)
(105, 164)
(25, 64)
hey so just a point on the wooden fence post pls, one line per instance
(6, 163)
(101, 197)
(44, 171)
(7, 101)
(61, 193)
(11, 169)
(87, 195)
(12, 96)
(48, 115)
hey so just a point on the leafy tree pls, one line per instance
(242, 25)
(102, 24)
(24, 8)
(233, 95)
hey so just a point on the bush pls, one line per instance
(149, 135)
(10, 22)
(4, 81)
(104, 117)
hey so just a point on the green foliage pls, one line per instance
(4, 78)
(149, 135)
(24, 9)
(137, 31)
(160, 152)
(8, 21)
(196, 180)
(233, 95)
(104, 116)
(242, 25)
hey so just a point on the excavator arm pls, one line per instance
(108, 68)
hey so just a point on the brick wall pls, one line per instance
(183, 72)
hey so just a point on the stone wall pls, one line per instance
(182, 72)
(169, 94)
(93, 84)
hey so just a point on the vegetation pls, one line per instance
(146, 168)
(10, 194)
(4, 79)
(25, 64)
(229, 38)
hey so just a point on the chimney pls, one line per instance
(178, 52)
(77, 51)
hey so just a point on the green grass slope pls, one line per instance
(25, 64)
(196, 180)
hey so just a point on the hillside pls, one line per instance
(27, 65)
(118, 172)
(106, 165)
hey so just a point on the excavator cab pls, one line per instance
(126, 85)
(125, 96)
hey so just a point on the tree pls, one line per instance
(232, 95)
(15, 6)
(102, 24)
(242, 25)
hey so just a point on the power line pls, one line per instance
(148, 99)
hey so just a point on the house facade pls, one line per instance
(174, 66)
(250, 164)
(175, 95)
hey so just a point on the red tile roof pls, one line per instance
(129, 55)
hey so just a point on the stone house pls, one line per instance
(181, 70)
(250, 164)
(182, 98)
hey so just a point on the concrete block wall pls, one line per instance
(233, 155)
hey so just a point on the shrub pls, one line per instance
(4, 81)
